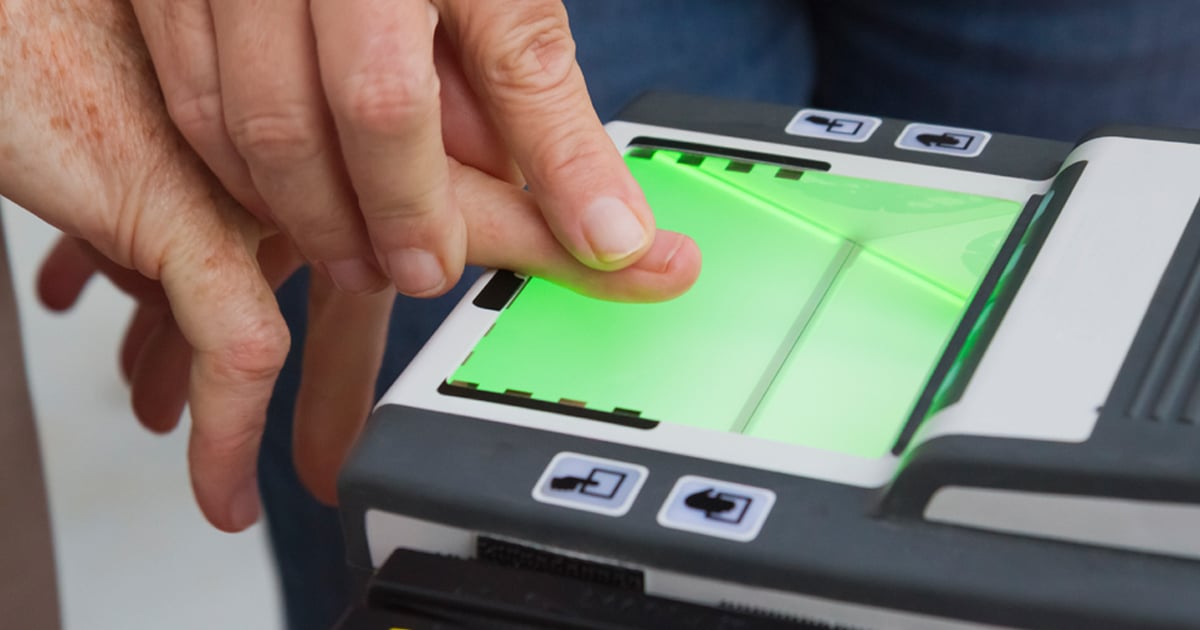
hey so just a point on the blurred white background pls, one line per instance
(133, 551)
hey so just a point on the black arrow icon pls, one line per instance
(939, 140)
(709, 502)
(571, 483)
(840, 126)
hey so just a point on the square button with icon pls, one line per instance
(820, 123)
(716, 508)
(588, 483)
(945, 140)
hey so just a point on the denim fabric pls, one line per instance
(305, 535)
(1048, 69)
(1051, 69)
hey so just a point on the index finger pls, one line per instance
(226, 311)
(520, 57)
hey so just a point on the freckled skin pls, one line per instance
(78, 78)
(87, 145)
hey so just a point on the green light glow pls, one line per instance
(823, 304)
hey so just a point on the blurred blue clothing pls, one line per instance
(1050, 69)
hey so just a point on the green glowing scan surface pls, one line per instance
(823, 305)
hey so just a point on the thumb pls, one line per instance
(506, 230)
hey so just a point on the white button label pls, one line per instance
(716, 508)
(945, 140)
(592, 484)
(820, 123)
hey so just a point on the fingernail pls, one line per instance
(353, 275)
(415, 271)
(612, 230)
(245, 507)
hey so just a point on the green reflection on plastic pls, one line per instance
(823, 304)
(982, 328)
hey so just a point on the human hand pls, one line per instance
(86, 144)
(346, 333)
(325, 117)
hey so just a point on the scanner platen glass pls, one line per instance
(823, 304)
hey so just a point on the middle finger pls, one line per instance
(277, 117)
(376, 59)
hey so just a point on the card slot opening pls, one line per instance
(567, 408)
(642, 147)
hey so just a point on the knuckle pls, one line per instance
(532, 51)
(326, 236)
(416, 202)
(226, 441)
(569, 155)
(399, 221)
(256, 355)
(197, 115)
(276, 138)
(185, 18)
(390, 102)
